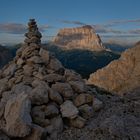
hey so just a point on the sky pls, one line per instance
(113, 20)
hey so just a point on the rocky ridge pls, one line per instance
(121, 75)
(79, 38)
(39, 97)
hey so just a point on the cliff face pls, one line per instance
(82, 37)
(121, 75)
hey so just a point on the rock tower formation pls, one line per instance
(79, 38)
(122, 75)
(38, 96)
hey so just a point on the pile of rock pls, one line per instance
(38, 96)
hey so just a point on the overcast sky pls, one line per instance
(112, 19)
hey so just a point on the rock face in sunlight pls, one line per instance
(38, 96)
(121, 75)
(81, 37)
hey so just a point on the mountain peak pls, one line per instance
(79, 38)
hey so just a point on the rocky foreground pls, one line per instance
(121, 75)
(79, 38)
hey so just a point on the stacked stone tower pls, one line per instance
(33, 35)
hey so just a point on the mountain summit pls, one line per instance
(79, 38)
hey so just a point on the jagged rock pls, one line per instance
(10, 69)
(118, 76)
(78, 86)
(54, 78)
(83, 99)
(28, 70)
(56, 127)
(17, 116)
(20, 61)
(35, 59)
(51, 111)
(38, 133)
(86, 111)
(68, 110)
(38, 115)
(39, 95)
(78, 122)
(55, 64)
(55, 96)
(64, 89)
(97, 104)
(81, 37)
(21, 88)
(72, 76)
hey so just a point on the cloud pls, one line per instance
(121, 22)
(105, 30)
(134, 31)
(13, 28)
(17, 28)
(73, 22)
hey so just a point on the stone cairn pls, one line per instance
(39, 98)
(33, 36)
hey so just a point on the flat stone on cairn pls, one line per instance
(41, 93)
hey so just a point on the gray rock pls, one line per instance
(83, 99)
(28, 69)
(78, 86)
(64, 89)
(39, 95)
(38, 133)
(55, 64)
(35, 60)
(51, 111)
(86, 111)
(56, 127)
(55, 96)
(10, 69)
(38, 115)
(78, 122)
(17, 116)
(44, 55)
(71, 75)
(68, 110)
(97, 104)
(20, 61)
(54, 78)
(21, 88)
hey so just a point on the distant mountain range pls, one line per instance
(82, 61)
(116, 47)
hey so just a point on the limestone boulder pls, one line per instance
(86, 111)
(44, 55)
(64, 89)
(97, 104)
(78, 122)
(83, 99)
(69, 110)
(39, 95)
(17, 116)
(55, 96)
